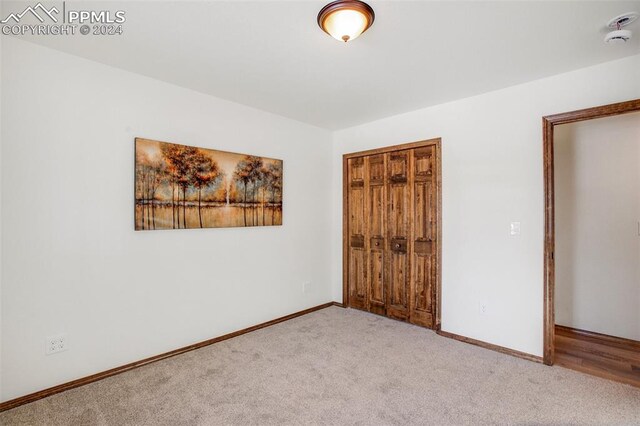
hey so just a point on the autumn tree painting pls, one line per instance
(180, 187)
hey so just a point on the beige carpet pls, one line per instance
(339, 366)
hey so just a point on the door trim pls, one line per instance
(436, 142)
(548, 124)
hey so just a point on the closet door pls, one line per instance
(424, 259)
(376, 205)
(391, 241)
(357, 278)
(398, 234)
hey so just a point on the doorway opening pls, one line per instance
(592, 246)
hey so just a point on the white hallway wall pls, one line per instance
(71, 259)
(492, 175)
(597, 188)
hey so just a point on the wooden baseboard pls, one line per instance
(592, 336)
(7, 405)
(491, 346)
(602, 355)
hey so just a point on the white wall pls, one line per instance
(72, 263)
(492, 174)
(597, 189)
(71, 259)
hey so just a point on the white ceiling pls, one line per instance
(271, 54)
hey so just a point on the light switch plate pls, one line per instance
(515, 228)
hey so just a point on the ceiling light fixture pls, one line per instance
(345, 20)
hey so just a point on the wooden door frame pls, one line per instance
(437, 143)
(548, 124)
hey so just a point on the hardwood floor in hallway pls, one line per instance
(604, 356)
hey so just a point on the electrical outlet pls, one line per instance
(482, 308)
(55, 344)
(306, 286)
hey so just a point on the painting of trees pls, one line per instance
(242, 175)
(273, 183)
(205, 172)
(182, 187)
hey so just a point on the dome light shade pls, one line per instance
(345, 20)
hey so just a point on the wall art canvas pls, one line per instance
(179, 187)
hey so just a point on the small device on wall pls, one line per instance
(620, 35)
(179, 187)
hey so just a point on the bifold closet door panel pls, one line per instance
(376, 205)
(398, 233)
(424, 259)
(357, 277)
(392, 239)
